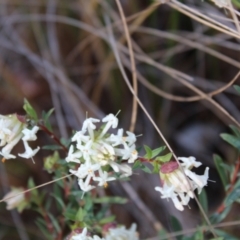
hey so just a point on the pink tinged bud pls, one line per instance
(21, 118)
(169, 167)
(108, 226)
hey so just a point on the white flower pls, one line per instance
(73, 156)
(12, 130)
(80, 138)
(127, 152)
(131, 138)
(111, 121)
(87, 150)
(189, 162)
(116, 139)
(84, 236)
(8, 148)
(10, 134)
(4, 130)
(85, 185)
(30, 135)
(86, 169)
(133, 156)
(88, 125)
(198, 181)
(168, 192)
(14, 198)
(29, 152)
(103, 178)
(123, 168)
(179, 184)
(121, 233)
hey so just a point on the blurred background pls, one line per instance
(58, 54)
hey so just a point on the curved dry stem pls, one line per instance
(114, 48)
(189, 43)
(175, 75)
(194, 15)
(133, 67)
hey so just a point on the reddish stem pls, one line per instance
(47, 220)
(142, 159)
(53, 136)
(233, 181)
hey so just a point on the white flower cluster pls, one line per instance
(176, 186)
(94, 149)
(12, 130)
(120, 233)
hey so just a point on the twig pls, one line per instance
(233, 181)
(133, 67)
(53, 136)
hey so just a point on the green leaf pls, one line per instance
(59, 201)
(221, 170)
(163, 234)
(234, 141)
(236, 3)
(235, 130)
(111, 200)
(165, 158)
(232, 197)
(34, 193)
(52, 147)
(157, 151)
(107, 220)
(81, 213)
(224, 235)
(70, 214)
(54, 222)
(203, 200)
(237, 88)
(65, 142)
(217, 238)
(139, 165)
(148, 154)
(176, 226)
(199, 235)
(42, 226)
(45, 117)
(145, 168)
(216, 217)
(136, 165)
(156, 167)
(30, 110)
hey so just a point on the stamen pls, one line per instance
(33, 160)
(117, 113)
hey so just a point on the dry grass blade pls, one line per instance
(200, 18)
(114, 48)
(133, 67)
(36, 187)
